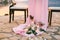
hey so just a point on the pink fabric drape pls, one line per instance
(39, 9)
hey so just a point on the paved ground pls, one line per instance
(6, 33)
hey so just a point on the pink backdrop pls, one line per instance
(39, 9)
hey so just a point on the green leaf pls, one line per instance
(29, 32)
(34, 32)
(42, 30)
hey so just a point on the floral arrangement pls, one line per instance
(33, 28)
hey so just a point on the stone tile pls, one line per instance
(7, 27)
(49, 33)
(20, 21)
(58, 33)
(57, 37)
(38, 38)
(14, 38)
(5, 39)
(47, 36)
(6, 30)
(52, 29)
(14, 34)
(4, 35)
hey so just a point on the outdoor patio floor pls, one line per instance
(6, 32)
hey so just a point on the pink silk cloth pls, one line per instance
(38, 9)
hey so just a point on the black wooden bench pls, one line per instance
(12, 9)
(52, 9)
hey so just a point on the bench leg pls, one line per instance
(27, 12)
(10, 16)
(13, 15)
(25, 16)
(50, 18)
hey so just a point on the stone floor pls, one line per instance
(6, 32)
